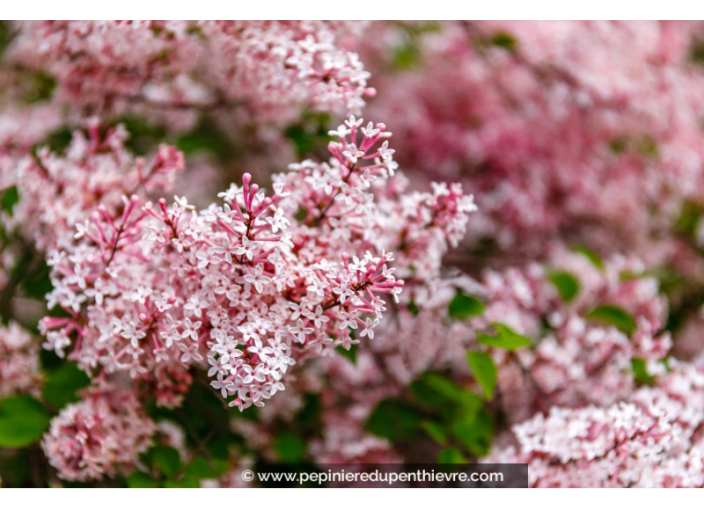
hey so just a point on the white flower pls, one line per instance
(131, 333)
(368, 330)
(190, 329)
(318, 316)
(246, 248)
(258, 279)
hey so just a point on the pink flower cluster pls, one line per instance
(275, 68)
(245, 288)
(577, 359)
(20, 129)
(59, 192)
(572, 135)
(98, 436)
(651, 439)
(19, 361)
(590, 130)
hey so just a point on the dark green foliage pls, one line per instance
(591, 255)
(207, 137)
(451, 456)
(393, 419)
(310, 134)
(505, 338)
(58, 140)
(689, 218)
(62, 385)
(8, 198)
(6, 36)
(165, 459)
(484, 370)
(696, 52)
(39, 87)
(350, 354)
(566, 284)
(614, 316)
(37, 283)
(463, 306)
(290, 448)
(23, 420)
(504, 40)
(640, 373)
(301, 214)
(144, 137)
(474, 432)
(437, 431)
(139, 480)
(456, 417)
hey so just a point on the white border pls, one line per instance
(327, 9)
(352, 499)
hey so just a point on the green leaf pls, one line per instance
(618, 145)
(506, 338)
(435, 430)
(309, 415)
(464, 306)
(689, 219)
(187, 482)
(200, 468)
(566, 283)
(8, 198)
(696, 52)
(444, 386)
(62, 384)
(485, 371)
(39, 87)
(648, 147)
(290, 448)
(504, 40)
(631, 275)
(203, 469)
(591, 255)
(615, 316)
(350, 354)
(394, 420)
(23, 419)
(6, 36)
(438, 394)
(37, 284)
(301, 214)
(310, 133)
(206, 137)
(58, 140)
(144, 136)
(139, 480)
(451, 456)
(430, 397)
(15, 469)
(640, 372)
(474, 432)
(166, 459)
(406, 56)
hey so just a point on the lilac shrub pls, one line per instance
(177, 306)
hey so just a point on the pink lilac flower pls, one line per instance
(650, 439)
(283, 306)
(19, 361)
(271, 68)
(100, 436)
